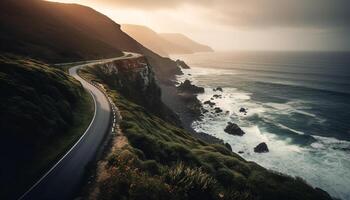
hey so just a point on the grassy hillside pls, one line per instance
(162, 161)
(49, 31)
(57, 32)
(43, 112)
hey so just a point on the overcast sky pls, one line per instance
(240, 24)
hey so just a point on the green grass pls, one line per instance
(169, 160)
(43, 112)
(82, 117)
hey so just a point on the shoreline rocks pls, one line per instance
(217, 96)
(243, 110)
(233, 129)
(261, 148)
(218, 110)
(211, 104)
(218, 89)
(182, 64)
(187, 86)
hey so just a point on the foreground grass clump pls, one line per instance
(163, 161)
(43, 112)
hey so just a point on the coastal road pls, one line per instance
(63, 180)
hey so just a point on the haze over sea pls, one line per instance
(298, 103)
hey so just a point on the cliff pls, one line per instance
(135, 79)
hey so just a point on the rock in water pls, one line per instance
(211, 104)
(218, 110)
(217, 96)
(187, 86)
(233, 129)
(218, 89)
(242, 110)
(261, 148)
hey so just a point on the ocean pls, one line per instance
(297, 102)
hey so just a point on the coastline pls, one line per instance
(173, 100)
(279, 114)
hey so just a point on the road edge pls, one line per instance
(65, 155)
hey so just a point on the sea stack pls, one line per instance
(233, 129)
(261, 148)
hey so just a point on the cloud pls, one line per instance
(257, 13)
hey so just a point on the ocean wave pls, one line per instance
(290, 129)
(242, 68)
(298, 87)
(322, 161)
(330, 142)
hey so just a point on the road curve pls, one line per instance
(64, 178)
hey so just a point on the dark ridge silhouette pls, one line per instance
(57, 32)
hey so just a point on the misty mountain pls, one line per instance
(164, 44)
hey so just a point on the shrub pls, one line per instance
(192, 183)
(151, 166)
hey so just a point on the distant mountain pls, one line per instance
(151, 39)
(58, 32)
(164, 44)
(185, 42)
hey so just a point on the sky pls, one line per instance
(292, 25)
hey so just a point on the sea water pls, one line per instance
(297, 102)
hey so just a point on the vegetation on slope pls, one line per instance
(50, 31)
(58, 32)
(43, 112)
(163, 161)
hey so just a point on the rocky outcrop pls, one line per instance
(218, 89)
(217, 96)
(261, 148)
(182, 64)
(218, 110)
(210, 103)
(228, 146)
(187, 87)
(233, 129)
(135, 79)
(243, 110)
(193, 105)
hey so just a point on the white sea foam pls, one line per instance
(325, 163)
(290, 129)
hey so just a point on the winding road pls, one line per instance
(62, 181)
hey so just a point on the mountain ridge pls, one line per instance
(59, 32)
(162, 43)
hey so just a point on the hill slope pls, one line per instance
(43, 112)
(50, 31)
(186, 42)
(57, 32)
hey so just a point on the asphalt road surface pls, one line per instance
(63, 180)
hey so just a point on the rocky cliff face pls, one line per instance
(135, 79)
